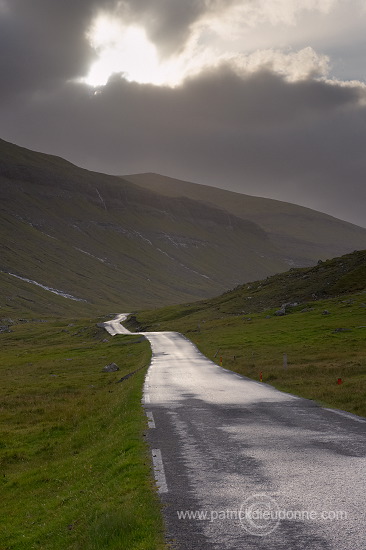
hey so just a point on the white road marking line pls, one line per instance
(151, 421)
(147, 398)
(347, 415)
(159, 472)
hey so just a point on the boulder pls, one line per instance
(112, 367)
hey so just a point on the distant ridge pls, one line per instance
(301, 234)
(111, 244)
(73, 240)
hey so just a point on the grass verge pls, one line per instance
(75, 470)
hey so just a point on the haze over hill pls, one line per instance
(106, 242)
(302, 235)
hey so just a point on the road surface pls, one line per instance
(240, 465)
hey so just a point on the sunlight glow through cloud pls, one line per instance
(126, 50)
(226, 37)
(123, 50)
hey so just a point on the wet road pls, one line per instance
(240, 465)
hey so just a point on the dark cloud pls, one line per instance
(43, 42)
(258, 134)
(168, 22)
(301, 142)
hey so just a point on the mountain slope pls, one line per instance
(111, 244)
(302, 235)
(329, 279)
(294, 288)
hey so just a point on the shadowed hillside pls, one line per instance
(111, 244)
(303, 236)
(75, 240)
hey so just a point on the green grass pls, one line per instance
(317, 353)
(75, 469)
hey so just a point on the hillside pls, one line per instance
(329, 279)
(79, 241)
(303, 236)
(296, 288)
(110, 244)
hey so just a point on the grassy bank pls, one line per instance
(75, 470)
(324, 340)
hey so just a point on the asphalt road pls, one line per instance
(240, 465)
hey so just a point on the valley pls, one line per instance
(116, 244)
(249, 281)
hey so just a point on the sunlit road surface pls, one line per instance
(240, 465)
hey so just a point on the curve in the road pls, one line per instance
(224, 446)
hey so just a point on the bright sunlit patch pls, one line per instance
(125, 50)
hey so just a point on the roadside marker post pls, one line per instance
(221, 361)
(261, 377)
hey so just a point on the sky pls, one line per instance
(260, 97)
